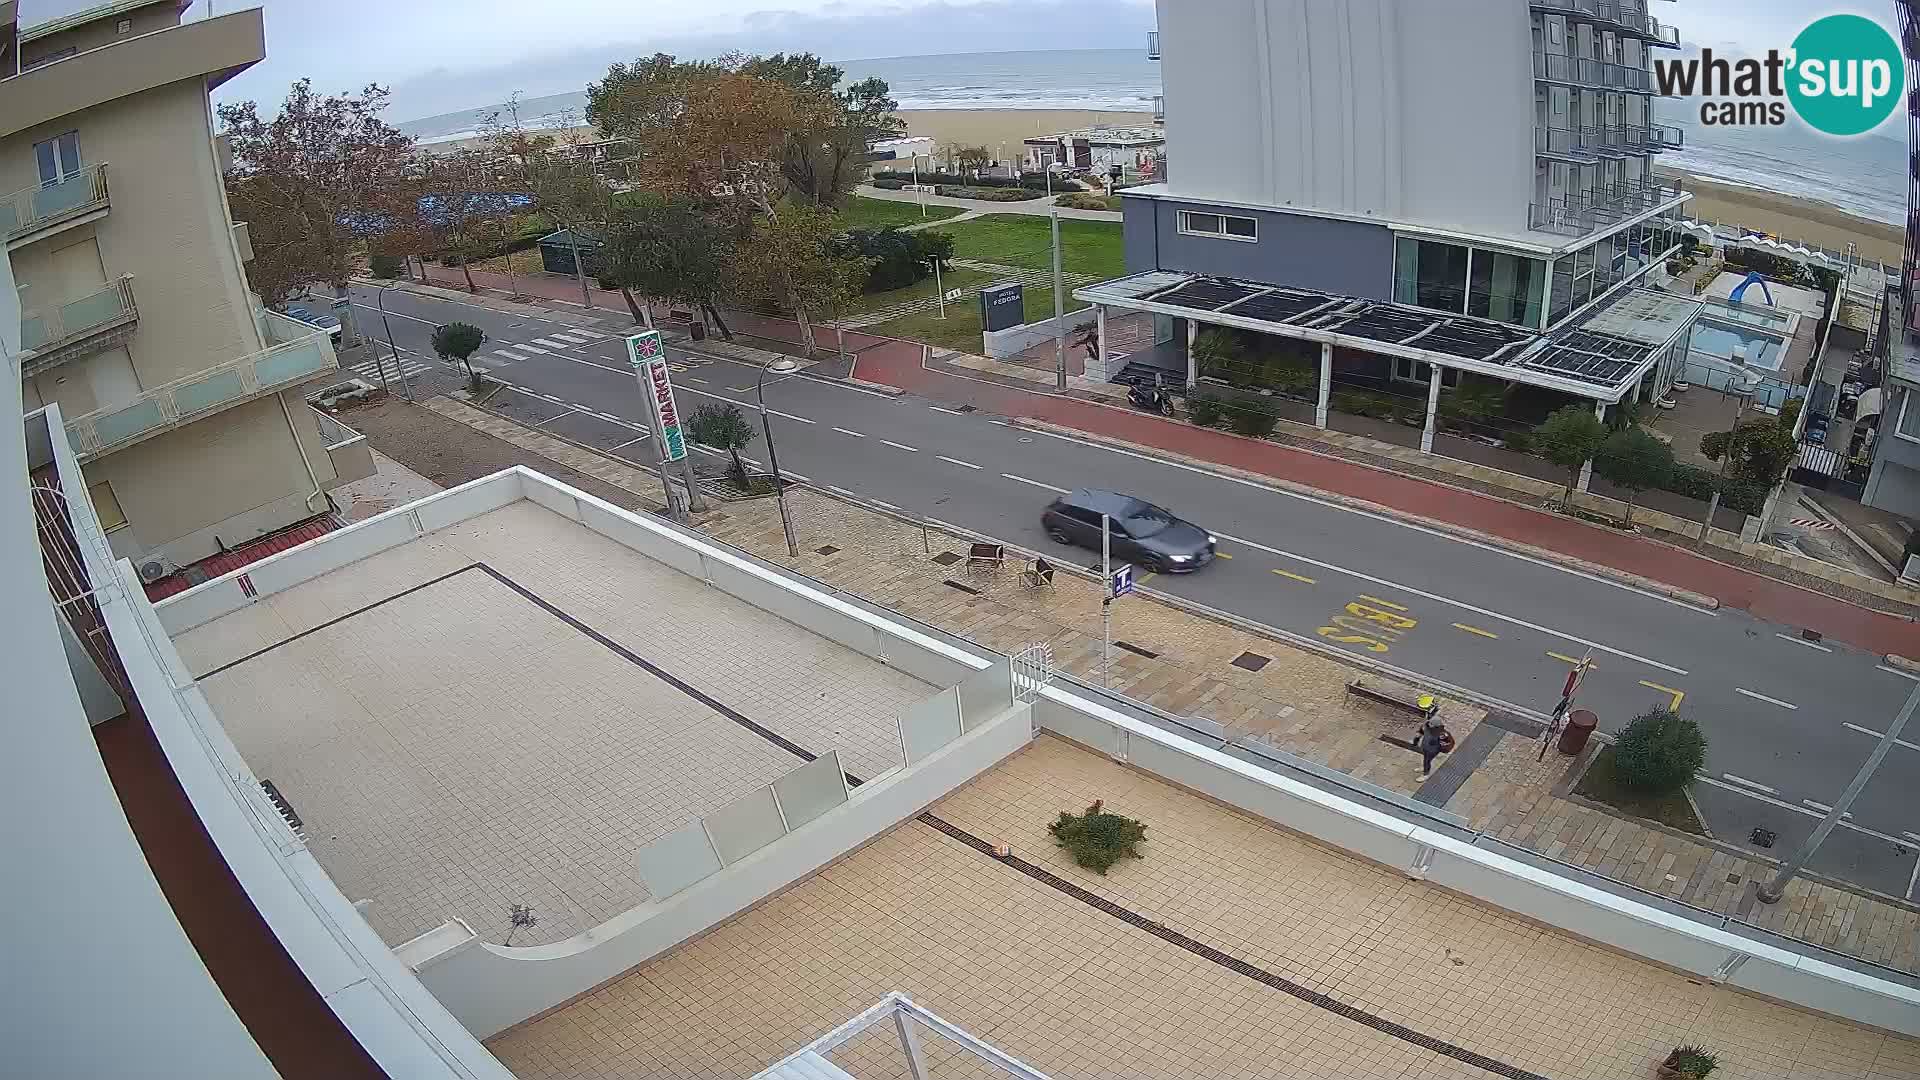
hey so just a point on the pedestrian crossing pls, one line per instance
(545, 346)
(408, 367)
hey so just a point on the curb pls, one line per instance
(1644, 584)
(1895, 660)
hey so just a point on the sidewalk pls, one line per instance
(1184, 663)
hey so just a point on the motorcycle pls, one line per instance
(1152, 397)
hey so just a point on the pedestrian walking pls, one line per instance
(1432, 740)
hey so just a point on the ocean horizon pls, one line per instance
(1865, 176)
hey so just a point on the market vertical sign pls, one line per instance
(648, 355)
(1843, 75)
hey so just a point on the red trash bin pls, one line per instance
(1580, 725)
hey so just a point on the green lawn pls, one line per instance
(1600, 785)
(961, 328)
(1086, 247)
(860, 212)
(952, 279)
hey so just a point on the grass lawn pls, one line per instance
(860, 212)
(1600, 785)
(952, 279)
(1086, 247)
(961, 328)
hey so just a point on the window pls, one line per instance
(124, 26)
(48, 58)
(1562, 289)
(105, 506)
(1506, 287)
(1430, 274)
(1227, 226)
(1406, 370)
(58, 158)
(1909, 416)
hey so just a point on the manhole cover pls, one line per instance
(946, 558)
(1762, 838)
(1135, 649)
(1251, 661)
(828, 550)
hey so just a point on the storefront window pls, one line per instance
(1507, 287)
(1562, 289)
(1430, 274)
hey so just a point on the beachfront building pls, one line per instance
(1893, 482)
(1098, 149)
(181, 392)
(1417, 191)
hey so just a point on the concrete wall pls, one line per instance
(1353, 258)
(1000, 344)
(1671, 940)
(91, 35)
(1894, 483)
(1406, 110)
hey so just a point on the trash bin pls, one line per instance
(1580, 725)
(699, 330)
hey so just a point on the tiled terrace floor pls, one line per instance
(1078, 992)
(460, 749)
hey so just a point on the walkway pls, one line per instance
(1025, 275)
(1041, 207)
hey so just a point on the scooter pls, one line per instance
(1151, 397)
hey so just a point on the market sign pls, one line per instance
(648, 355)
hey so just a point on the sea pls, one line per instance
(1863, 176)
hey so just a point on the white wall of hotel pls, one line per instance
(490, 987)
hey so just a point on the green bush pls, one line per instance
(385, 267)
(1098, 839)
(1697, 483)
(1520, 442)
(1083, 200)
(1253, 421)
(890, 185)
(1692, 1062)
(1204, 410)
(989, 194)
(1658, 753)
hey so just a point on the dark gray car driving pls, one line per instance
(1143, 534)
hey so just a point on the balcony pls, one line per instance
(1159, 109)
(1625, 16)
(1590, 74)
(201, 395)
(1587, 212)
(1578, 145)
(347, 449)
(77, 328)
(1153, 44)
(45, 209)
(1665, 137)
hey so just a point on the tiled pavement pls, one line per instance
(1078, 992)
(458, 750)
(1296, 702)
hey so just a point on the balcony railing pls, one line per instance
(200, 395)
(1580, 144)
(1153, 44)
(1589, 211)
(44, 332)
(1586, 72)
(1626, 15)
(1159, 107)
(1665, 137)
(31, 209)
(281, 329)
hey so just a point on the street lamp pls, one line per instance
(782, 366)
(380, 296)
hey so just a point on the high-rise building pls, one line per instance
(181, 390)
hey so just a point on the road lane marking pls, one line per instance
(886, 505)
(1825, 808)
(844, 431)
(1450, 537)
(1678, 695)
(1382, 603)
(1296, 577)
(1803, 641)
(394, 314)
(630, 442)
(1462, 605)
(790, 416)
(841, 491)
(1913, 879)
(552, 344)
(1785, 805)
(1754, 784)
(1564, 658)
(740, 389)
(561, 416)
(956, 461)
(1880, 735)
(1034, 483)
(949, 412)
(1221, 555)
(705, 449)
(702, 382)
(531, 349)
(1897, 671)
(548, 397)
(1765, 698)
(1475, 630)
(901, 446)
(999, 423)
(509, 355)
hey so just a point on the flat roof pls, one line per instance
(1599, 357)
(1116, 136)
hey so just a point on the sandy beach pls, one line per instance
(1791, 218)
(997, 128)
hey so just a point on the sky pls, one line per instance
(443, 55)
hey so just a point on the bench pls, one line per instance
(988, 557)
(1393, 695)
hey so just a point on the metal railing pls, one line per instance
(1580, 213)
(281, 329)
(44, 331)
(1153, 44)
(201, 394)
(1587, 72)
(1628, 15)
(43, 204)
(1581, 143)
(1665, 137)
(1159, 107)
(908, 1021)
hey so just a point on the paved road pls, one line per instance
(1789, 720)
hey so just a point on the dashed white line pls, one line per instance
(1803, 641)
(956, 461)
(1880, 735)
(582, 407)
(844, 431)
(531, 349)
(1897, 671)
(548, 397)
(552, 344)
(705, 449)
(509, 355)
(885, 505)
(1796, 808)
(901, 446)
(1825, 808)
(790, 416)
(1754, 784)
(841, 491)
(999, 423)
(1765, 698)
(949, 412)
(1034, 483)
(1462, 605)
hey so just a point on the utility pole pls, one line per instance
(1772, 891)
(573, 241)
(939, 289)
(1059, 311)
(916, 182)
(1106, 600)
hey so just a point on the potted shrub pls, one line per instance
(1658, 752)
(1098, 839)
(1688, 1063)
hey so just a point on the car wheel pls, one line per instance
(1059, 536)
(1150, 564)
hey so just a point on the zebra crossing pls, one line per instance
(407, 365)
(407, 368)
(544, 346)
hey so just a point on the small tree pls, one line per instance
(1214, 352)
(1761, 450)
(1098, 839)
(1634, 460)
(1658, 753)
(1569, 439)
(385, 267)
(458, 341)
(972, 157)
(723, 426)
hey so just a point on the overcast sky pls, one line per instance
(443, 55)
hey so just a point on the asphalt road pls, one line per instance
(1789, 721)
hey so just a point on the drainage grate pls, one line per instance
(965, 408)
(827, 550)
(950, 583)
(1810, 635)
(1251, 661)
(1135, 649)
(281, 804)
(946, 558)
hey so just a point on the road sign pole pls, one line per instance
(1106, 601)
(1059, 311)
(660, 444)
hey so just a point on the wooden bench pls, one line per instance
(1393, 695)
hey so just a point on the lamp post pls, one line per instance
(782, 366)
(380, 296)
(1749, 386)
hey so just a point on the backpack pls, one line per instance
(1446, 741)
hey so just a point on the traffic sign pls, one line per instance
(1121, 583)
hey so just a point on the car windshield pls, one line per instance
(1143, 519)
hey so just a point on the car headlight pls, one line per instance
(1180, 558)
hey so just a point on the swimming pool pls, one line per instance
(1720, 340)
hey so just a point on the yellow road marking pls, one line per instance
(1474, 630)
(1221, 555)
(1565, 659)
(702, 382)
(1149, 576)
(1678, 695)
(1296, 577)
(1382, 603)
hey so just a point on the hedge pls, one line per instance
(1697, 483)
(890, 185)
(1032, 181)
(988, 194)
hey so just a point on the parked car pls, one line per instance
(1143, 534)
(324, 322)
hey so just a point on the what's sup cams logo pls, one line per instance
(1843, 76)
